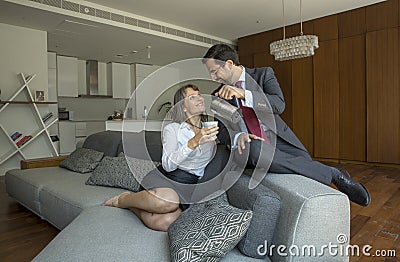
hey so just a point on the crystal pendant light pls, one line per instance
(294, 47)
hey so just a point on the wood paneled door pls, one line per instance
(383, 96)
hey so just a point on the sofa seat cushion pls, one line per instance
(106, 234)
(62, 201)
(25, 185)
(112, 234)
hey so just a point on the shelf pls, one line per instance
(27, 102)
(25, 119)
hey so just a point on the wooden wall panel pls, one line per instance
(303, 102)
(352, 23)
(246, 60)
(246, 46)
(326, 28)
(326, 100)
(263, 59)
(353, 114)
(383, 96)
(382, 15)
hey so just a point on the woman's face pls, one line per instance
(193, 103)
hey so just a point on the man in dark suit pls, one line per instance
(273, 145)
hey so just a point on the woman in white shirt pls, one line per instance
(187, 149)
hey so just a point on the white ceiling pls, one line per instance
(89, 39)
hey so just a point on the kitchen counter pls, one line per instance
(134, 125)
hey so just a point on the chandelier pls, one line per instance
(294, 47)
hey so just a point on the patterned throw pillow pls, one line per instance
(207, 231)
(82, 160)
(115, 172)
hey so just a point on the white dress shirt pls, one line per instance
(176, 153)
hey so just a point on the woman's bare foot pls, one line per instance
(114, 201)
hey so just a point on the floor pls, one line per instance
(23, 234)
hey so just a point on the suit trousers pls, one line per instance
(288, 159)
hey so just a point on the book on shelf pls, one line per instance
(15, 136)
(22, 141)
(48, 116)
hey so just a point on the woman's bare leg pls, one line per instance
(158, 200)
(159, 222)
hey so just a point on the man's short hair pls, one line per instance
(221, 53)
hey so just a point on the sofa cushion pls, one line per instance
(82, 160)
(107, 142)
(62, 201)
(106, 234)
(144, 145)
(25, 185)
(207, 231)
(265, 205)
(115, 172)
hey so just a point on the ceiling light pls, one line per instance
(148, 51)
(294, 47)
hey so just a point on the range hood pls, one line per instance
(92, 80)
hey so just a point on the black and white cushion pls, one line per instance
(121, 172)
(207, 231)
(82, 160)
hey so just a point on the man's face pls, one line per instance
(220, 72)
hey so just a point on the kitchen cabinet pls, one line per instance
(119, 80)
(134, 125)
(67, 76)
(82, 90)
(73, 133)
(104, 89)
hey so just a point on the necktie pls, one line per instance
(250, 118)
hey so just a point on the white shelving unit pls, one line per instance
(24, 115)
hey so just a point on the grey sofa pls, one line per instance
(311, 214)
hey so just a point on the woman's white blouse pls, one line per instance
(176, 153)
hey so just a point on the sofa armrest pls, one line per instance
(312, 215)
(42, 162)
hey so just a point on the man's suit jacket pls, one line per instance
(268, 104)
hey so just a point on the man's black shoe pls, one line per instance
(356, 191)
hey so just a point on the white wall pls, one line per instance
(21, 50)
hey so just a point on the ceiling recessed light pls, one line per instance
(120, 55)
(133, 52)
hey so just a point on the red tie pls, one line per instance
(251, 120)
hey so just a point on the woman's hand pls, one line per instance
(206, 134)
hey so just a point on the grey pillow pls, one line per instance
(107, 142)
(265, 205)
(82, 160)
(115, 172)
(207, 231)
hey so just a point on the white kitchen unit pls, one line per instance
(67, 137)
(75, 132)
(82, 90)
(134, 125)
(104, 88)
(119, 80)
(149, 87)
(67, 76)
